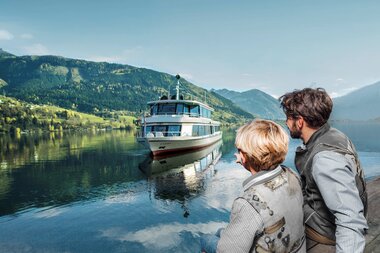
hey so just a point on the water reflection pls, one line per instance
(44, 171)
(38, 171)
(198, 160)
(181, 176)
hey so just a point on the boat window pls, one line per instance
(180, 109)
(195, 130)
(153, 110)
(174, 130)
(148, 129)
(163, 130)
(166, 109)
(201, 130)
(205, 112)
(194, 110)
(186, 109)
(207, 130)
(159, 128)
(202, 111)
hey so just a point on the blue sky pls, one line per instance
(274, 46)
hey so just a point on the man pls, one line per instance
(335, 199)
(268, 216)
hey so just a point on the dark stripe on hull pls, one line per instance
(173, 152)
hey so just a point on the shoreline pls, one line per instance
(373, 236)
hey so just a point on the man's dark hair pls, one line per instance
(314, 105)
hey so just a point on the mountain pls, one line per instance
(229, 94)
(98, 86)
(255, 102)
(5, 54)
(361, 104)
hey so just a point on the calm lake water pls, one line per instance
(102, 192)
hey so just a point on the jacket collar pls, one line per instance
(261, 177)
(321, 131)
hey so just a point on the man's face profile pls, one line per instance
(294, 131)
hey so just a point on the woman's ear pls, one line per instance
(243, 158)
(246, 164)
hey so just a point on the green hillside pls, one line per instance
(98, 87)
(17, 116)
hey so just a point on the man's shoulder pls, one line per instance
(328, 161)
(332, 134)
(327, 154)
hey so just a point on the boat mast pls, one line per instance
(177, 87)
(144, 133)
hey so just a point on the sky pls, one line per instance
(273, 46)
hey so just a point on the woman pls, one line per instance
(268, 217)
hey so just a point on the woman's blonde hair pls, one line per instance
(264, 143)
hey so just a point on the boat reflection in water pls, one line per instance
(182, 176)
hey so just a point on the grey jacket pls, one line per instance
(268, 217)
(333, 185)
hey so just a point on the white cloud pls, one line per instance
(26, 36)
(163, 236)
(5, 35)
(124, 57)
(121, 199)
(36, 49)
(342, 92)
(263, 87)
(230, 180)
(186, 76)
(334, 94)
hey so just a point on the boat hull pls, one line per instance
(164, 145)
(180, 160)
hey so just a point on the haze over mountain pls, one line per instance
(361, 104)
(90, 86)
(255, 102)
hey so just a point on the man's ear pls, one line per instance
(300, 122)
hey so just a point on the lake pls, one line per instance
(102, 192)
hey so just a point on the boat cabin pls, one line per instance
(180, 107)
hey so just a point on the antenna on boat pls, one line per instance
(177, 87)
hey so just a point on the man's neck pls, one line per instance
(307, 132)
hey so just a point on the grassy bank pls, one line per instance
(17, 116)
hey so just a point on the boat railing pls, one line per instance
(162, 134)
(173, 113)
(153, 134)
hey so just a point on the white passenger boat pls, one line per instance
(175, 125)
